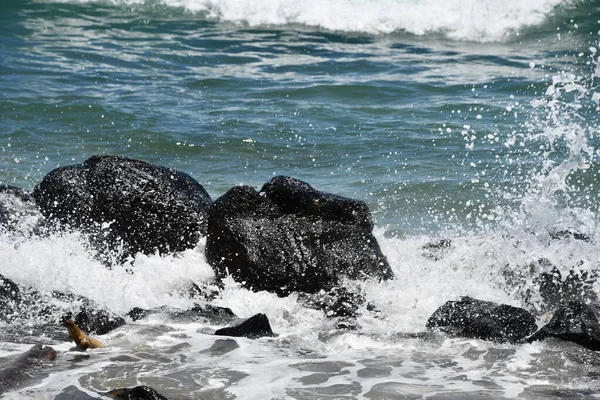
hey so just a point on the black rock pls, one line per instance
(118, 200)
(337, 302)
(96, 321)
(576, 322)
(197, 312)
(18, 210)
(568, 233)
(135, 393)
(485, 320)
(558, 291)
(253, 327)
(289, 237)
(10, 299)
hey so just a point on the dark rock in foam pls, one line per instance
(96, 321)
(148, 208)
(290, 237)
(10, 299)
(575, 322)
(135, 393)
(254, 327)
(485, 320)
(18, 210)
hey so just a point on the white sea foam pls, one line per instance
(470, 20)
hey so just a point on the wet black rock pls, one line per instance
(18, 210)
(575, 322)
(10, 299)
(485, 320)
(290, 237)
(557, 290)
(254, 327)
(567, 234)
(24, 303)
(135, 393)
(96, 321)
(337, 302)
(145, 207)
(205, 312)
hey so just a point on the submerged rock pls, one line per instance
(135, 393)
(254, 327)
(18, 370)
(290, 237)
(558, 291)
(197, 312)
(144, 207)
(485, 320)
(575, 322)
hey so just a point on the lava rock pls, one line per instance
(290, 237)
(18, 210)
(96, 321)
(145, 207)
(10, 299)
(558, 291)
(254, 327)
(485, 320)
(575, 322)
(207, 312)
(135, 393)
(337, 302)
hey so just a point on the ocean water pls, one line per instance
(472, 121)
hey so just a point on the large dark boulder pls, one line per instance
(575, 322)
(18, 210)
(146, 207)
(290, 237)
(485, 320)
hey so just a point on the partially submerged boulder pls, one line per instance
(485, 320)
(145, 207)
(575, 322)
(290, 237)
(204, 312)
(135, 393)
(254, 327)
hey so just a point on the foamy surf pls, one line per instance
(468, 20)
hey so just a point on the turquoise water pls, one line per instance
(395, 119)
(468, 120)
